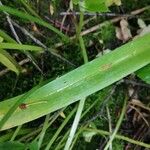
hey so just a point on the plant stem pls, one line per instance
(60, 129)
(75, 124)
(117, 126)
(43, 131)
(120, 137)
(83, 49)
(79, 27)
(82, 101)
(16, 133)
(110, 125)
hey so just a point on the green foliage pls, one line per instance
(12, 146)
(79, 83)
(9, 62)
(73, 86)
(6, 37)
(107, 34)
(1, 39)
(144, 74)
(111, 2)
(92, 6)
(33, 145)
(118, 145)
(23, 15)
(5, 58)
(20, 47)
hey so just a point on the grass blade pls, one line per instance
(144, 74)
(117, 126)
(75, 124)
(60, 129)
(7, 37)
(20, 47)
(29, 8)
(121, 137)
(81, 82)
(32, 19)
(11, 40)
(7, 60)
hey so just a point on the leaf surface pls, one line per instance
(20, 47)
(144, 74)
(80, 83)
(7, 60)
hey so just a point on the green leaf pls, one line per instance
(111, 2)
(11, 40)
(1, 39)
(39, 21)
(75, 2)
(20, 47)
(144, 74)
(7, 60)
(79, 83)
(33, 145)
(12, 146)
(93, 5)
(6, 37)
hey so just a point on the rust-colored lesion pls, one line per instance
(24, 106)
(105, 67)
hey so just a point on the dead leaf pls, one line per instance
(51, 9)
(141, 23)
(123, 33)
(125, 30)
(119, 33)
(136, 102)
(145, 30)
(62, 114)
(34, 28)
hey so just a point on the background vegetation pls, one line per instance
(42, 41)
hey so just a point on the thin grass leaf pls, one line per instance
(7, 37)
(32, 19)
(11, 40)
(117, 126)
(120, 137)
(82, 101)
(80, 83)
(29, 8)
(20, 47)
(7, 60)
(60, 129)
(16, 133)
(42, 134)
(75, 124)
(7, 137)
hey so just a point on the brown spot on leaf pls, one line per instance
(105, 67)
(23, 106)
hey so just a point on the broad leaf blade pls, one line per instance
(12, 146)
(93, 5)
(7, 60)
(144, 74)
(80, 82)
